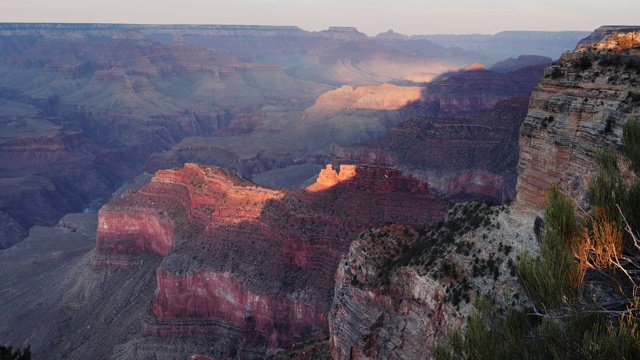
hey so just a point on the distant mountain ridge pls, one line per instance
(508, 44)
(497, 47)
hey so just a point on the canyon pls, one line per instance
(87, 107)
(467, 147)
(359, 258)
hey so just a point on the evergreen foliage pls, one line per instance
(584, 284)
(553, 279)
(7, 353)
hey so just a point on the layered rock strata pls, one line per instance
(247, 263)
(578, 108)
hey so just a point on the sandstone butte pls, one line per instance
(579, 107)
(254, 264)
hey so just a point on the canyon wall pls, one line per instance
(461, 158)
(578, 108)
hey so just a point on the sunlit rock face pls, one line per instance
(252, 263)
(381, 97)
(578, 108)
(603, 34)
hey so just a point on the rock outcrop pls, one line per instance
(250, 264)
(604, 32)
(400, 289)
(578, 108)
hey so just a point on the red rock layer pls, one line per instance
(256, 261)
(209, 294)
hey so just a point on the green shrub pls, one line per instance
(556, 73)
(569, 320)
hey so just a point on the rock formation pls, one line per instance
(578, 108)
(604, 32)
(250, 264)
(399, 289)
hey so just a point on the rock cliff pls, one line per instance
(250, 264)
(578, 108)
(399, 289)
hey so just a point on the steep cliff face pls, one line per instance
(399, 289)
(247, 263)
(578, 108)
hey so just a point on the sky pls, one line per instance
(410, 17)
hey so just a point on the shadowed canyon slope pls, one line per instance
(467, 145)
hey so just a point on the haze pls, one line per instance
(369, 16)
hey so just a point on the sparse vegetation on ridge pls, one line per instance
(450, 251)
